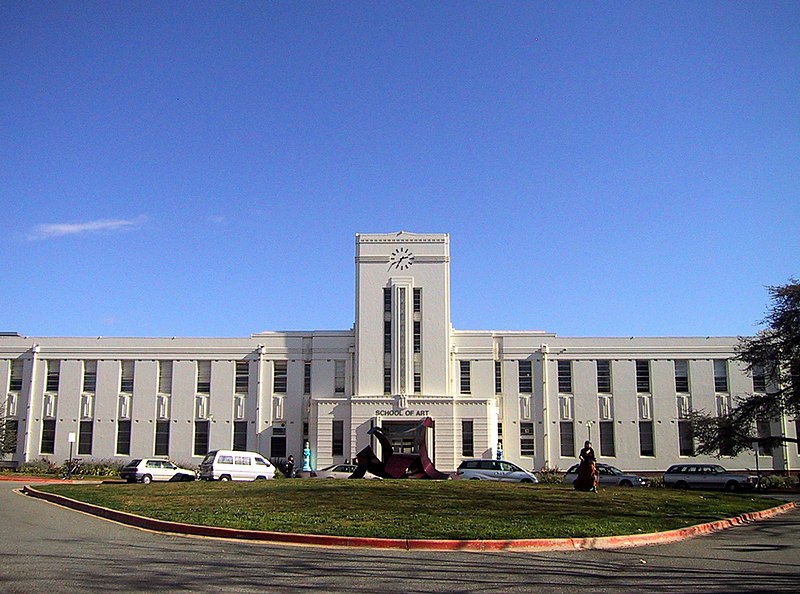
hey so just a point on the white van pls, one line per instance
(231, 465)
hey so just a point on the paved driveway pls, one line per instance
(46, 548)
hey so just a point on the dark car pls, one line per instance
(609, 476)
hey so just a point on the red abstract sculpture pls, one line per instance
(395, 465)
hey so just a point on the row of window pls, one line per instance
(603, 376)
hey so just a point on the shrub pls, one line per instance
(40, 466)
(550, 476)
(656, 482)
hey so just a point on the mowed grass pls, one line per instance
(417, 509)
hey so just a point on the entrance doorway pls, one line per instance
(402, 435)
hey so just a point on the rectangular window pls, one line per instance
(201, 438)
(525, 372)
(466, 387)
(604, 377)
(720, 375)
(387, 336)
(242, 377)
(685, 438)
(565, 377)
(642, 376)
(124, 438)
(498, 377)
(417, 300)
(15, 381)
(307, 377)
(759, 379)
(337, 438)
(281, 376)
(417, 336)
(567, 437)
(240, 435)
(387, 380)
(417, 377)
(10, 429)
(126, 377)
(204, 377)
(467, 440)
(764, 429)
(387, 300)
(338, 380)
(165, 377)
(48, 445)
(89, 376)
(277, 444)
(681, 376)
(607, 439)
(646, 447)
(526, 439)
(162, 438)
(85, 431)
(53, 369)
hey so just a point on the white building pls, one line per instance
(535, 395)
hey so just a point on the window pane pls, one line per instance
(467, 446)
(604, 377)
(337, 440)
(642, 376)
(565, 376)
(124, 438)
(646, 438)
(607, 439)
(567, 435)
(526, 439)
(525, 377)
(85, 438)
(162, 438)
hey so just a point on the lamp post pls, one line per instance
(71, 439)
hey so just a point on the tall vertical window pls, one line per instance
(387, 300)
(567, 438)
(162, 438)
(759, 379)
(53, 369)
(764, 430)
(466, 387)
(387, 336)
(338, 380)
(646, 446)
(720, 375)
(201, 438)
(242, 377)
(124, 438)
(417, 300)
(642, 376)
(48, 445)
(417, 336)
(307, 377)
(165, 377)
(525, 372)
(126, 377)
(240, 435)
(277, 444)
(9, 437)
(685, 438)
(387, 380)
(467, 440)
(89, 376)
(203, 377)
(85, 430)
(281, 376)
(681, 376)
(526, 439)
(15, 381)
(417, 377)
(337, 438)
(604, 377)
(498, 377)
(607, 439)
(565, 377)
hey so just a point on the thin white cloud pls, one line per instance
(51, 230)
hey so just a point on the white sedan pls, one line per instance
(341, 471)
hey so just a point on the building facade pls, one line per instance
(530, 397)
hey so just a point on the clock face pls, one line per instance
(401, 258)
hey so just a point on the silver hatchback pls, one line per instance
(494, 470)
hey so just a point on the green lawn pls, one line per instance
(418, 509)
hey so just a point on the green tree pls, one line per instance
(8, 436)
(775, 353)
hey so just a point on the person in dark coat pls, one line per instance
(290, 467)
(587, 471)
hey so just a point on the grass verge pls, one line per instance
(418, 509)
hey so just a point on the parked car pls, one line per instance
(146, 470)
(609, 476)
(340, 471)
(233, 465)
(707, 476)
(494, 470)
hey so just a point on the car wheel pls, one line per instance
(147, 479)
(625, 483)
(474, 478)
(224, 478)
(681, 485)
(732, 486)
(526, 481)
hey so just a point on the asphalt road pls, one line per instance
(47, 548)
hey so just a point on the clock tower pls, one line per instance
(402, 326)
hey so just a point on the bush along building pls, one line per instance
(532, 397)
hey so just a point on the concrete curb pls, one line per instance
(539, 544)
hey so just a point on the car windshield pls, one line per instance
(613, 470)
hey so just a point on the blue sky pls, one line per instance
(202, 168)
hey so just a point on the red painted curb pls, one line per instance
(540, 544)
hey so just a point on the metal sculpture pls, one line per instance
(397, 465)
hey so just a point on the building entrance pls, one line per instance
(403, 436)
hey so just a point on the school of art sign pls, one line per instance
(409, 412)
